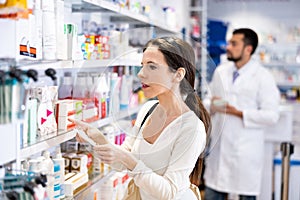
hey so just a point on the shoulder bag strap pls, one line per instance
(148, 113)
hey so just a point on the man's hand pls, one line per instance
(216, 107)
(231, 110)
(223, 107)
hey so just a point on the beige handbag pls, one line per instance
(133, 192)
(196, 191)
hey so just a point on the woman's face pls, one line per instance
(155, 75)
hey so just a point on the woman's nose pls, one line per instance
(141, 73)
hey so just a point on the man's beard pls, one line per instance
(234, 59)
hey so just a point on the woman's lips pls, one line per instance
(144, 85)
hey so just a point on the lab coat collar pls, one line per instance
(248, 68)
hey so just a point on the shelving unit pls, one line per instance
(200, 10)
(46, 144)
(13, 131)
(281, 59)
(116, 117)
(106, 6)
(75, 64)
(93, 185)
(61, 137)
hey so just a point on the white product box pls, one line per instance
(109, 190)
(75, 182)
(68, 107)
(90, 113)
(64, 124)
(15, 39)
(79, 163)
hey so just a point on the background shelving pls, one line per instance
(120, 13)
(111, 13)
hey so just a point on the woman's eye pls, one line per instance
(152, 66)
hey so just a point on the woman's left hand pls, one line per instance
(109, 153)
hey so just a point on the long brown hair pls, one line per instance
(179, 53)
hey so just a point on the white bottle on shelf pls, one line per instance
(114, 94)
(124, 93)
(100, 94)
(48, 167)
(59, 160)
(80, 89)
(65, 90)
(49, 30)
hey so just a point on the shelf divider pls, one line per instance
(46, 144)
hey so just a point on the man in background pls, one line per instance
(244, 100)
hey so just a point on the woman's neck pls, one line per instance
(173, 105)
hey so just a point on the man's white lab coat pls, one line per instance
(236, 155)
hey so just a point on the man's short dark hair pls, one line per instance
(250, 37)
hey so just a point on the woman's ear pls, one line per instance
(180, 73)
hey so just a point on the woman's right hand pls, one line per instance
(91, 131)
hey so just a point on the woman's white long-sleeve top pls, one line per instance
(163, 168)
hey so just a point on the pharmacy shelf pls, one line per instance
(116, 116)
(8, 142)
(288, 83)
(77, 64)
(282, 64)
(93, 186)
(196, 9)
(46, 144)
(85, 5)
(65, 136)
(105, 63)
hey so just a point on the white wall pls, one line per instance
(275, 17)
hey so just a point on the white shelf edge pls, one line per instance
(104, 63)
(101, 122)
(62, 137)
(116, 116)
(288, 83)
(196, 9)
(125, 12)
(69, 64)
(46, 144)
(42, 65)
(280, 64)
(95, 185)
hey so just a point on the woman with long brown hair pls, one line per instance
(163, 154)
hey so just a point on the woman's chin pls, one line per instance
(149, 95)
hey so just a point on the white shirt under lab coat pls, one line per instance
(163, 168)
(236, 154)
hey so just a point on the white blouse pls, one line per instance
(163, 168)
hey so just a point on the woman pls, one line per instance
(163, 155)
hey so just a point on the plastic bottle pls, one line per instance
(124, 94)
(108, 94)
(114, 93)
(101, 96)
(57, 181)
(59, 160)
(129, 79)
(48, 166)
(66, 89)
(80, 90)
(90, 87)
